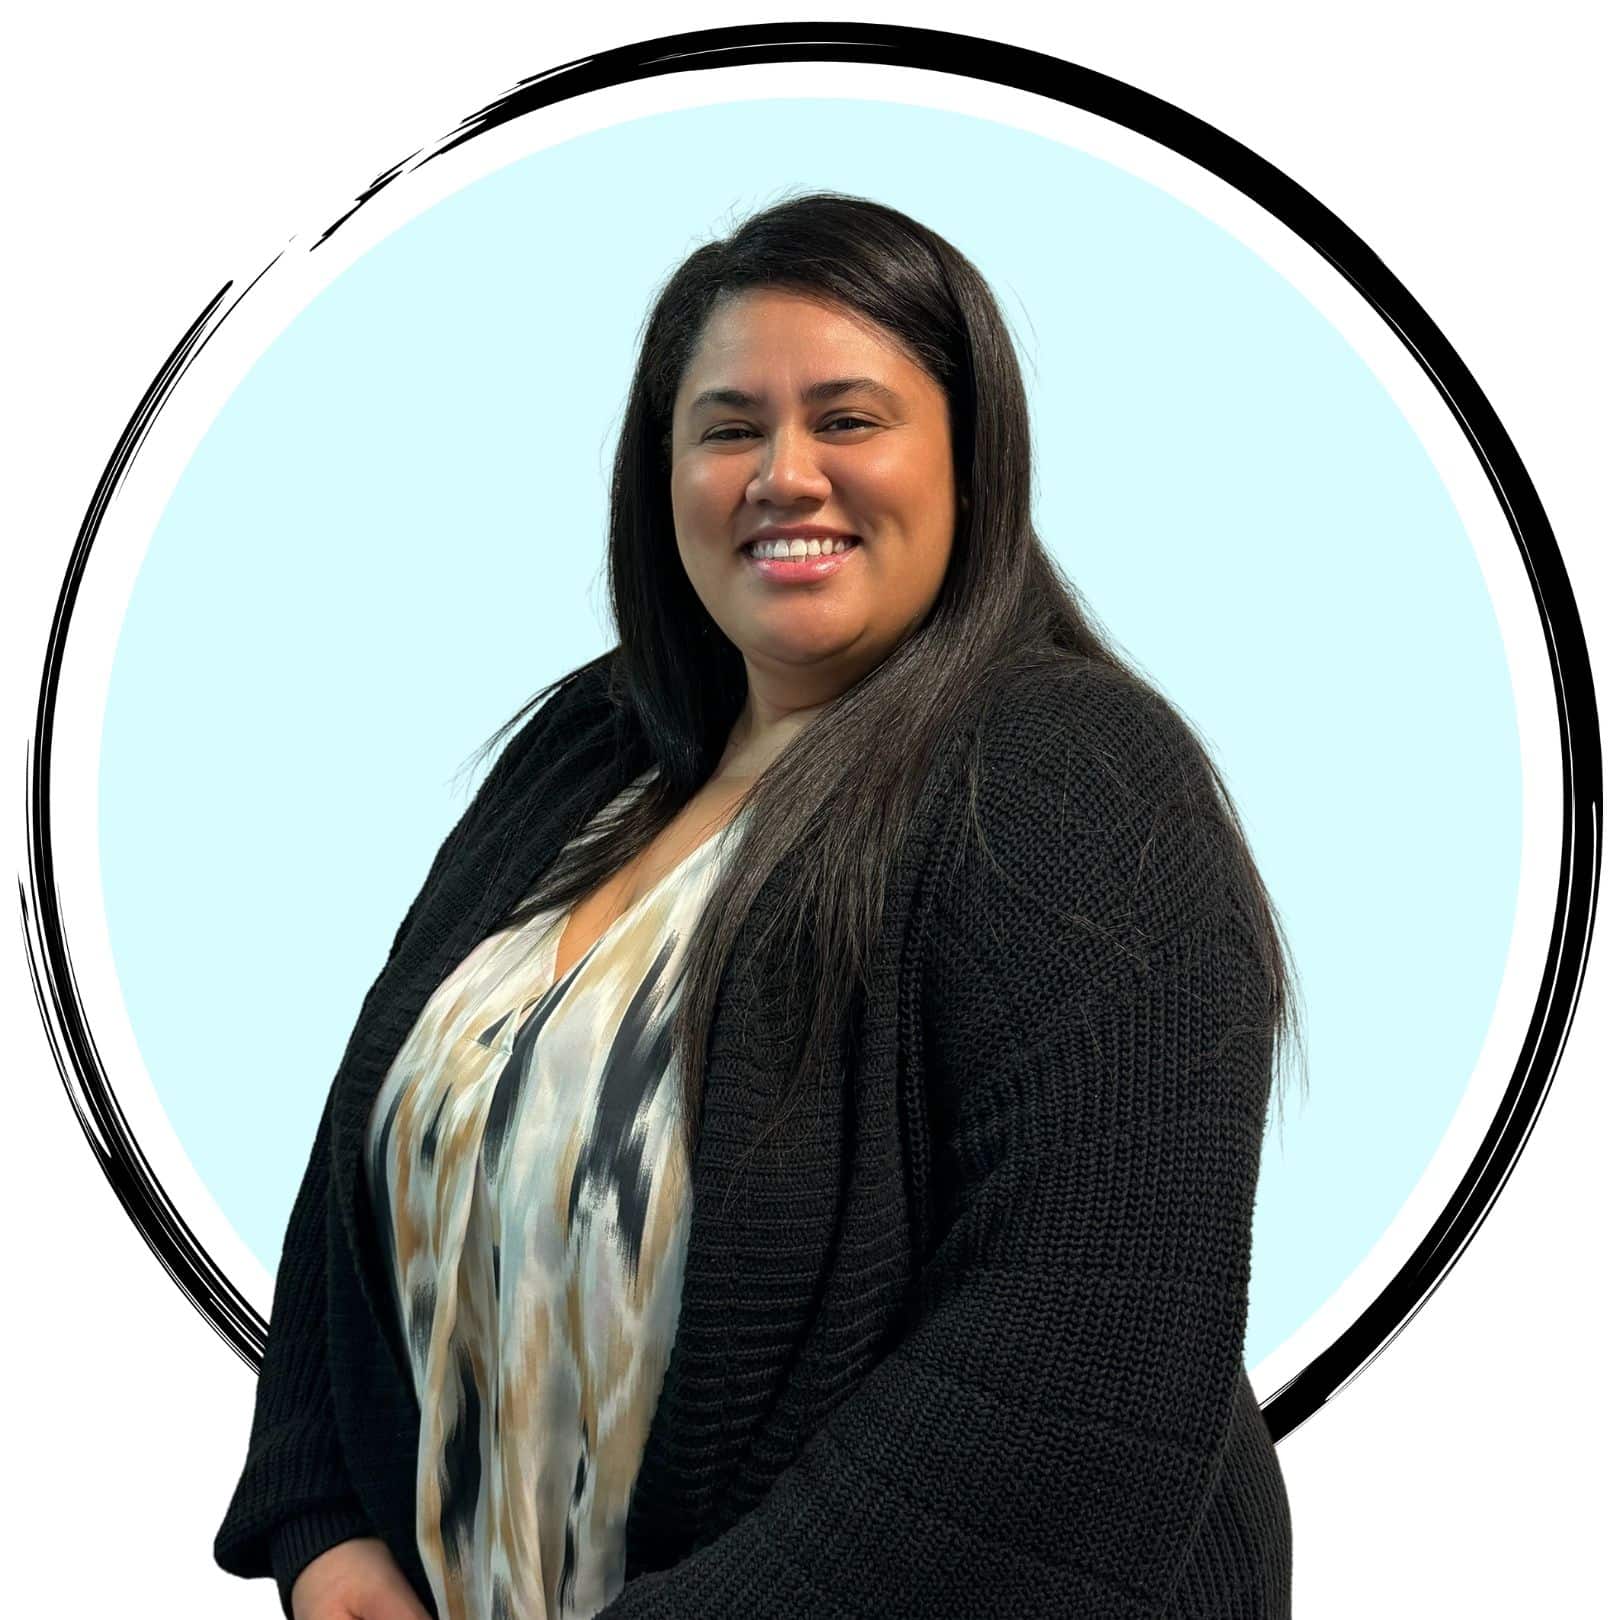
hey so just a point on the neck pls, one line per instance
(763, 729)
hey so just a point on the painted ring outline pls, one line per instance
(1056, 79)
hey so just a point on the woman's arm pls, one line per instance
(294, 1499)
(1045, 1438)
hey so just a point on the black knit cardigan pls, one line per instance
(968, 1340)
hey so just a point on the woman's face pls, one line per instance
(794, 413)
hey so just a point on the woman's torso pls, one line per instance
(533, 1202)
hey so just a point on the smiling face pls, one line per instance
(793, 412)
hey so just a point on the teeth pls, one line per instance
(797, 548)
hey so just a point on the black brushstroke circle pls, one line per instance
(991, 61)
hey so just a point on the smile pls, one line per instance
(794, 562)
(798, 548)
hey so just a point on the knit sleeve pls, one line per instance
(293, 1500)
(1045, 1437)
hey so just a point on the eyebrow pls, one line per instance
(815, 394)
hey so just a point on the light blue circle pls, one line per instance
(394, 533)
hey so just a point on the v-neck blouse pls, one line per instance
(526, 1173)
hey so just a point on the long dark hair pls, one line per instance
(679, 684)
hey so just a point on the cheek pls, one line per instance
(914, 488)
(704, 488)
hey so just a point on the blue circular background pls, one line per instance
(393, 533)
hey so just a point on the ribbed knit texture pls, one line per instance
(968, 1339)
(299, 1541)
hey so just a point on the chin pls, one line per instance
(805, 649)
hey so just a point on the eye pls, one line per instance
(719, 435)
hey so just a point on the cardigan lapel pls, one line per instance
(764, 1220)
(796, 1243)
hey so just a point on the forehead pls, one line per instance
(764, 330)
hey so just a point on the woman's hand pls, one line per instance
(355, 1580)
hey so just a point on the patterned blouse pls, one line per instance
(525, 1168)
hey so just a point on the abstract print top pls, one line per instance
(526, 1170)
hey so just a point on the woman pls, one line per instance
(799, 1156)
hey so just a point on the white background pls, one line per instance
(153, 153)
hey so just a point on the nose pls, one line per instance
(789, 470)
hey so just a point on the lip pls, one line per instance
(800, 570)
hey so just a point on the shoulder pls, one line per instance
(1071, 745)
(1085, 799)
(1092, 729)
(573, 713)
(573, 706)
(582, 699)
